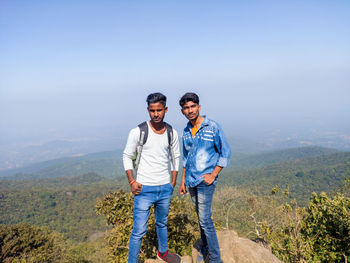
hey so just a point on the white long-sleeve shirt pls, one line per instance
(154, 162)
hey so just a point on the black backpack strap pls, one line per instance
(169, 130)
(143, 133)
(170, 133)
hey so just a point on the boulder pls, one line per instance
(234, 249)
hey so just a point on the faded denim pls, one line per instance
(201, 154)
(160, 197)
(202, 197)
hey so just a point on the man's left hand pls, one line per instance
(208, 178)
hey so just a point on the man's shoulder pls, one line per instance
(212, 123)
(143, 124)
(135, 131)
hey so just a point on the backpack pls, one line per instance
(143, 138)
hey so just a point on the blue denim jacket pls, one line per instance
(201, 154)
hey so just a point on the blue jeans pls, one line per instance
(202, 197)
(160, 197)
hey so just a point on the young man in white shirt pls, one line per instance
(152, 184)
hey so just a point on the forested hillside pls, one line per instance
(109, 164)
(301, 176)
(62, 204)
(239, 162)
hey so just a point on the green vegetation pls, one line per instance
(319, 232)
(117, 207)
(26, 243)
(241, 162)
(65, 205)
(301, 176)
(314, 231)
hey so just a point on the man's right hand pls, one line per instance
(182, 189)
(136, 188)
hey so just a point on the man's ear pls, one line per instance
(166, 109)
(199, 107)
(182, 111)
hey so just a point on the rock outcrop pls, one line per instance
(234, 249)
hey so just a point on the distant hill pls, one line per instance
(26, 153)
(108, 164)
(303, 175)
(246, 146)
(271, 157)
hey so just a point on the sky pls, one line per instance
(71, 69)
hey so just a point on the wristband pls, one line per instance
(133, 181)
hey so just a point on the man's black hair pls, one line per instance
(189, 96)
(156, 97)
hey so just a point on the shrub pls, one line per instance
(318, 233)
(117, 207)
(28, 243)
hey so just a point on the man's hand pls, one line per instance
(182, 189)
(136, 188)
(208, 178)
(173, 184)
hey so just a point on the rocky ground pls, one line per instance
(234, 249)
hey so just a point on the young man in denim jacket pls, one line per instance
(205, 153)
(153, 185)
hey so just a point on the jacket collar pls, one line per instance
(204, 123)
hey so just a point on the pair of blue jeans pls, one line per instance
(202, 197)
(160, 197)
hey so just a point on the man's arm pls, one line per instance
(128, 153)
(222, 147)
(224, 151)
(135, 186)
(176, 162)
(173, 177)
(182, 189)
(209, 178)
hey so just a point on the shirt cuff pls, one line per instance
(223, 162)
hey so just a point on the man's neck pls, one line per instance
(197, 122)
(157, 126)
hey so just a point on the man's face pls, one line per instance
(157, 112)
(191, 110)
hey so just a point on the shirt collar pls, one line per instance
(204, 123)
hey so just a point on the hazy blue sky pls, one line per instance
(86, 67)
